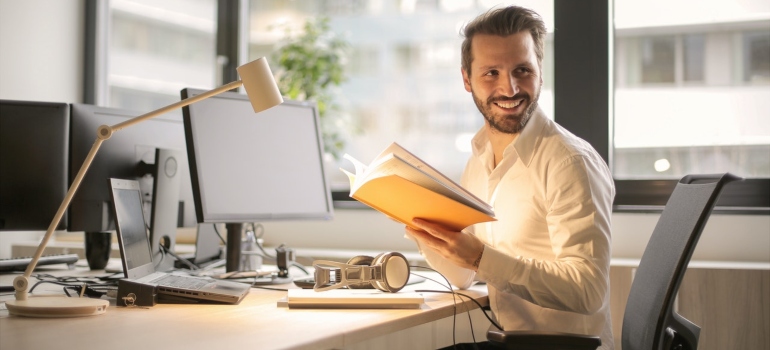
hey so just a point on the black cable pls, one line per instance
(162, 249)
(216, 230)
(81, 289)
(181, 259)
(66, 286)
(110, 278)
(162, 254)
(259, 232)
(454, 300)
(72, 279)
(258, 229)
(470, 321)
(494, 323)
(269, 288)
(484, 311)
(299, 266)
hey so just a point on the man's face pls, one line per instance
(505, 79)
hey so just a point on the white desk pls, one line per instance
(256, 323)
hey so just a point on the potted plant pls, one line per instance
(308, 66)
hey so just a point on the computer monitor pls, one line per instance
(34, 146)
(131, 154)
(248, 167)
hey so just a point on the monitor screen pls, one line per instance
(121, 157)
(251, 167)
(34, 146)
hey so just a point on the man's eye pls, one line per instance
(492, 72)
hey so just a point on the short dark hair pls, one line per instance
(503, 22)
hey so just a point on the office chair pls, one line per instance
(649, 323)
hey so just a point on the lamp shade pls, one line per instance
(260, 85)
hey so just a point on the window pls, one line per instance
(756, 49)
(693, 51)
(684, 90)
(658, 59)
(153, 50)
(649, 60)
(403, 73)
(685, 114)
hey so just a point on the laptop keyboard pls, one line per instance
(181, 282)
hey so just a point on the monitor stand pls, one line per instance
(233, 248)
(233, 257)
(165, 205)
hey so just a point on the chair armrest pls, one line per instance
(534, 340)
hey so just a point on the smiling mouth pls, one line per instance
(509, 104)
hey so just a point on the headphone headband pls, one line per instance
(387, 272)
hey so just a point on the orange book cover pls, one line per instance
(403, 187)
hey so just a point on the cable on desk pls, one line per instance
(93, 287)
(269, 288)
(494, 323)
(259, 232)
(216, 230)
(96, 280)
(453, 292)
(454, 300)
(80, 290)
(181, 259)
(299, 266)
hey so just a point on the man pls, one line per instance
(546, 258)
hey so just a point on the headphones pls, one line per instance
(387, 272)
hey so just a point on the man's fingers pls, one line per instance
(428, 226)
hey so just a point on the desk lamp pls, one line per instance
(262, 92)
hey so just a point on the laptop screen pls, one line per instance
(131, 228)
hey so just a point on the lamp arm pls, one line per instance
(21, 283)
(177, 105)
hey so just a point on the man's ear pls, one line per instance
(466, 80)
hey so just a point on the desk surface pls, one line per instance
(256, 323)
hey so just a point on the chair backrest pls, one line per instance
(650, 321)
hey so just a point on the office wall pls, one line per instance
(41, 50)
(41, 59)
(41, 53)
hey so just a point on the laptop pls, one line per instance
(138, 267)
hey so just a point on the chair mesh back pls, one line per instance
(650, 303)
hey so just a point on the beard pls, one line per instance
(507, 123)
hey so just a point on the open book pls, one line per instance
(402, 186)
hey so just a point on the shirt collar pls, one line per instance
(524, 145)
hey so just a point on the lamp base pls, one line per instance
(57, 306)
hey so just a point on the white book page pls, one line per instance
(418, 163)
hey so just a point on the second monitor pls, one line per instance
(248, 167)
(133, 153)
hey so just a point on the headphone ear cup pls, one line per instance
(364, 260)
(395, 271)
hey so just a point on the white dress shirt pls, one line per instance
(547, 257)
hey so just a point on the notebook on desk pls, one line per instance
(136, 257)
(351, 299)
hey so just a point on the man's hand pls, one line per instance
(461, 248)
